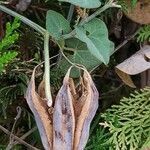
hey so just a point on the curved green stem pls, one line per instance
(23, 19)
(110, 4)
(47, 70)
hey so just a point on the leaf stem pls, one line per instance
(23, 19)
(70, 14)
(47, 70)
(99, 11)
(110, 4)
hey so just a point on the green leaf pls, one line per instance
(81, 55)
(95, 35)
(56, 24)
(84, 3)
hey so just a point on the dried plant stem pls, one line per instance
(126, 41)
(18, 139)
(11, 138)
(25, 135)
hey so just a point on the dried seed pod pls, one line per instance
(73, 112)
(88, 104)
(39, 108)
(63, 118)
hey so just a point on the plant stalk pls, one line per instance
(23, 19)
(110, 4)
(47, 70)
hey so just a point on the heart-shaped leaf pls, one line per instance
(56, 24)
(95, 35)
(84, 3)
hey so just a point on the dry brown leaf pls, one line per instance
(136, 64)
(125, 78)
(140, 13)
(39, 108)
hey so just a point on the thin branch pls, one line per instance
(111, 91)
(18, 139)
(126, 41)
(11, 138)
(25, 135)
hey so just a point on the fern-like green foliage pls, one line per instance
(129, 122)
(99, 141)
(11, 91)
(144, 34)
(11, 36)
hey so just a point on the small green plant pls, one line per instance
(144, 34)
(11, 36)
(129, 122)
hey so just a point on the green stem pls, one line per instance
(70, 14)
(23, 19)
(46, 48)
(110, 4)
(47, 70)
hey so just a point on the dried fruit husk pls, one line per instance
(63, 118)
(40, 110)
(140, 13)
(87, 106)
(67, 126)
(73, 112)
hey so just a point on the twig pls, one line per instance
(25, 135)
(111, 91)
(18, 139)
(11, 138)
(126, 41)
